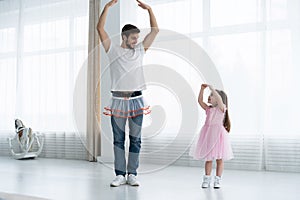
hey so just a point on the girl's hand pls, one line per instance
(143, 5)
(203, 86)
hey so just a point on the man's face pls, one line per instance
(131, 40)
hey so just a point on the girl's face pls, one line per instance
(212, 100)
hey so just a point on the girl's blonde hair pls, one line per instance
(226, 121)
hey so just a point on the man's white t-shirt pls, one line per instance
(126, 68)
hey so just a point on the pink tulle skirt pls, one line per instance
(212, 143)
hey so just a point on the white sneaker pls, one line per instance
(206, 181)
(119, 180)
(131, 180)
(217, 183)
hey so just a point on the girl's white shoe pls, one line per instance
(206, 181)
(217, 183)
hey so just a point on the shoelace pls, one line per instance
(207, 180)
(132, 178)
(119, 178)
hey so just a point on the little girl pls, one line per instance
(213, 142)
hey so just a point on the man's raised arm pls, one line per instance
(154, 27)
(101, 23)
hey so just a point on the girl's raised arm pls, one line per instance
(200, 98)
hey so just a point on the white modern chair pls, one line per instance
(22, 145)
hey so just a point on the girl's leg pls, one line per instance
(219, 171)
(206, 177)
(208, 167)
(220, 166)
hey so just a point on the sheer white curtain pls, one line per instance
(255, 53)
(43, 44)
(9, 17)
(255, 46)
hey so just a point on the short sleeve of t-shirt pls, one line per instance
(140, 47)
(112, 51)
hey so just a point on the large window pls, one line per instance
(255, 47)
(43, 45)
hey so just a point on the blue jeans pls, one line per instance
(135, 127)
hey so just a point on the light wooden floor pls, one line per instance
(74, 180)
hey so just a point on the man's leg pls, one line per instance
(118, 127)
(135, 128)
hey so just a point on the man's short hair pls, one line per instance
(128, 29)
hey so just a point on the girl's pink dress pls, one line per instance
(213, 142)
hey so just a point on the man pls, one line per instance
(127, 78)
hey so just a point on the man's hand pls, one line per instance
(111, 3)
(143, 5)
